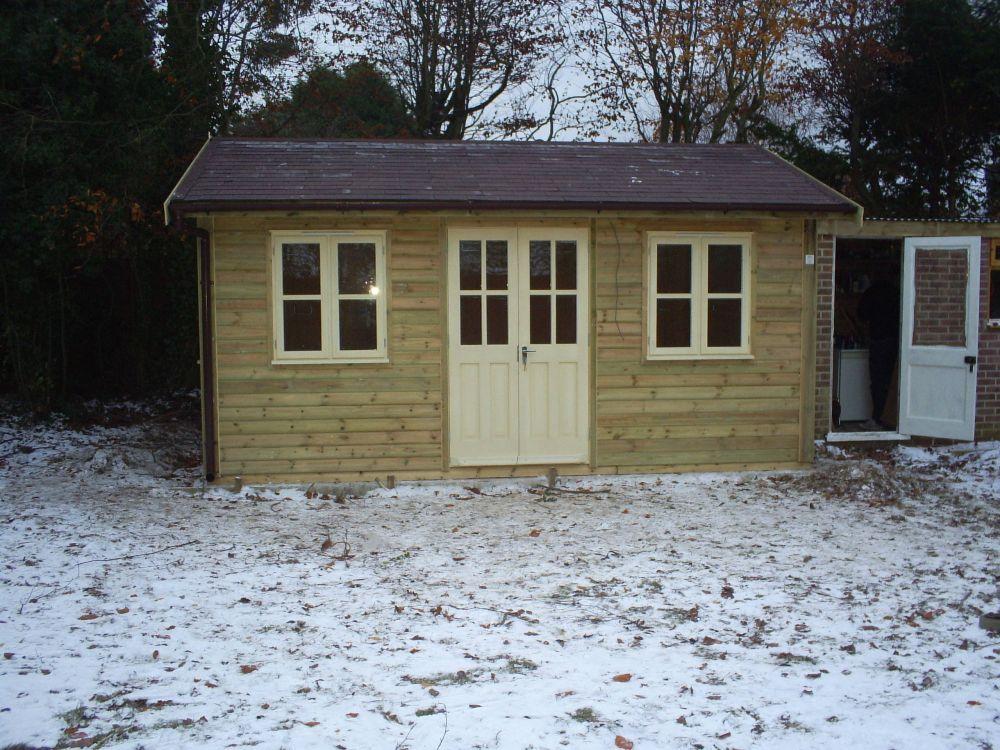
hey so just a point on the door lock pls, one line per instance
(971, 362)
(525, 351)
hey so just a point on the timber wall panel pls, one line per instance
(328, 421)
(655, 415)
(355, 422)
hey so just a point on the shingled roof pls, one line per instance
(247, 174)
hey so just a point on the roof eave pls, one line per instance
(209, 206)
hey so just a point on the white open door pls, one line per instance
(937, 386)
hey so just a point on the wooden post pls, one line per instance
(390, 482)
(552, 474)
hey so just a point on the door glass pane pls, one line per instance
(540, 313)
(496, 264)
(300, 268)
(673, 269)
(725, 268)
(470, 264)
(673, 322)
(724, 324)
(358, 325)
(302, 325)
(496, 320)
(471, 320)
(940, 277)
(540, 264)
(565, 265)
(566, 319)
(355, 267)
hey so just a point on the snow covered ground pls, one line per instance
(833, 608)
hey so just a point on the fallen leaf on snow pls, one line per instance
(248, 668)
(622, 677)
(624, 744)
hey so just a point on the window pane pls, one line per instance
(355, 267)
(496, 320)
(673, 269)
(471, 320)
(302, 324)
(673, 323)
(470, 264)
(496, 264)
(541, 319)
(724, 323)
(565, 265)
(940, 276)
(725, 268)
(358, 325)
(566, 319)
(300, 268)
(540, 261)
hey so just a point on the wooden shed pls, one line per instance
(430, 310)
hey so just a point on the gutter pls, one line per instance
(205, 206)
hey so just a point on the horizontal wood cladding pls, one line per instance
(323, 421)
(677, 415)
(363, 421)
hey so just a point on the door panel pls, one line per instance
(939, 337)
(554, 321)
(510, 289)
(482, 355)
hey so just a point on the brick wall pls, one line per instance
(988, 380)
(940, 278)
(824, 333)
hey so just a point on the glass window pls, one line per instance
(329, 297)
(300, 268)
(540, 264)
(303, 325)
(565, 265)
(470, 264)
(355, 267)
(496, 265)
(698, 295)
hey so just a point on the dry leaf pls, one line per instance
(89, 616)
(622, 677)
(623, 744)
(248, 668)
(535, 533)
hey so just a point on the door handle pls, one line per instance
(971, 362)
(525, 351)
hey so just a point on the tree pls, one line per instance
(85, 159)
(906, 95)
(358, 102)
(685, 70)
(225, 53)
(451, 60)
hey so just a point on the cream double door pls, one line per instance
(518, 324)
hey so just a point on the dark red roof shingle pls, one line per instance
(259, 173)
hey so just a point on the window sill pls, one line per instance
(696, 357)
(338, 361)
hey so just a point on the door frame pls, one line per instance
(515, 232)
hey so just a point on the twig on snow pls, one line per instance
(138, 554)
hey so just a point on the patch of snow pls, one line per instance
(829, 608)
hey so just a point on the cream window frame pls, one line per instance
(699, 295)
(329, 296)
